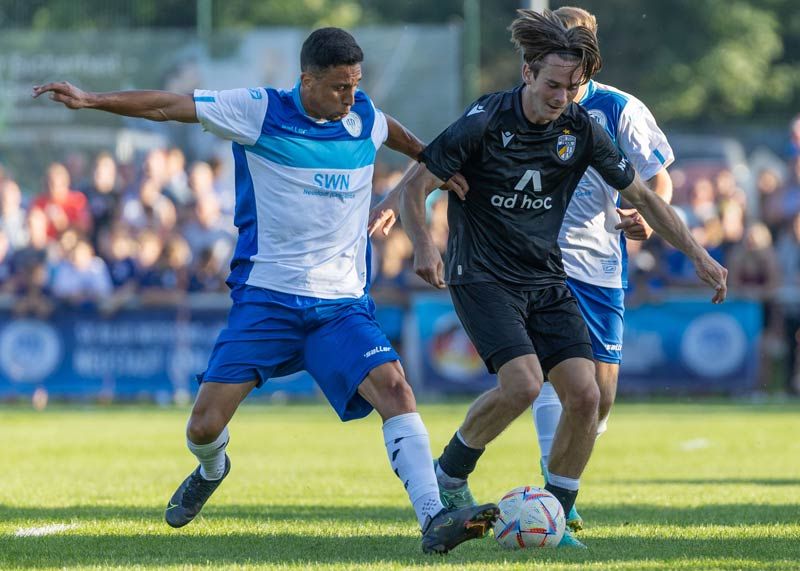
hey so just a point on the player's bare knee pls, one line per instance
(389, 391)
(204, 428)
(398, 391)
(583, 400)
(521, 394)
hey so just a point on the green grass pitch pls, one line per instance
(671, 486)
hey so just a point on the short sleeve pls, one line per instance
(448, 152)
(642, 141)
(380, 129)
(608, 160)
(235, 114)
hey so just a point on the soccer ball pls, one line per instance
(529, 517)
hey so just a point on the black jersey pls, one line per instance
(521, 178)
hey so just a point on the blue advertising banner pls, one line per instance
(672, 347)
(148, 353)
(691, 347)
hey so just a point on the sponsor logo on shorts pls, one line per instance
(376, 350)
(615, 347)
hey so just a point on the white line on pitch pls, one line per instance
(44, 530)
(695, 444)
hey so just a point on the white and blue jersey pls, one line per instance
(302, 189)
(592, 250)
(300, 272)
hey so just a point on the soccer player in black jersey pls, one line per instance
(522, 153)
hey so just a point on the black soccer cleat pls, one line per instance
(450, 528)
(191, 496)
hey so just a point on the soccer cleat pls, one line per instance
(450, 528)
(456, 498)
(191, 495)
(574, 519)
(570, 541)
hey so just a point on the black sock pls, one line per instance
(563, 495)
(458, 460)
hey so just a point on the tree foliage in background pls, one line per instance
(712, 60)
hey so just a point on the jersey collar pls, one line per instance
(591, 87)
(299, 104)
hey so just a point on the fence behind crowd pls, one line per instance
(672, 347)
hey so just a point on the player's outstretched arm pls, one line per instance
(384, 215)
(152, 105)
(413, 190)
(669, 226)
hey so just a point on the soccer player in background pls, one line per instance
(522, 153)
(300, 273)
(592, 239)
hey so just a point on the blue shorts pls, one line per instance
(272, 334)
(603, 308)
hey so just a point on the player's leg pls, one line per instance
(603, 311)
(409, 451)
(357, 369)
(260, 339)
(607, 375)
(563, 345)
(494, 317)
(207, 438)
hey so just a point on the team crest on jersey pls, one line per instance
(352, 124)
(598, 116)
(565, 147)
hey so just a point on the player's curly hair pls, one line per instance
(539, 35)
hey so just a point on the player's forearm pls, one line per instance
(152, 105)
(412, 211)
(661, 184)
(402, 140)
(667, 224)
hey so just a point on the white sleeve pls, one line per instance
(234, 114)
(642, 141)
(380, 129)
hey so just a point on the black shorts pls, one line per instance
(504, 323)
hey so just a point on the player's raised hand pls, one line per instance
(711, 272)
(428, 264)
(633, 225)
(64, 92)
(457, 184)
(382, 218)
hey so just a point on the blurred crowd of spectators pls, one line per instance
(157, 229)
(99, 233)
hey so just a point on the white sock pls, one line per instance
(546, 411)
(602, 426)
(211, 456)
(571, 484)
(409, 450)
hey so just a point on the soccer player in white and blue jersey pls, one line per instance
(592, 239)
(300, 272)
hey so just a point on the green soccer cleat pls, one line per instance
(574, 519)
(456, 498)
(191, 496)
(450, 528)
(570, 541)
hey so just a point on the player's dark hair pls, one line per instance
(539, 35)
(572, 16)
(329, 47)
